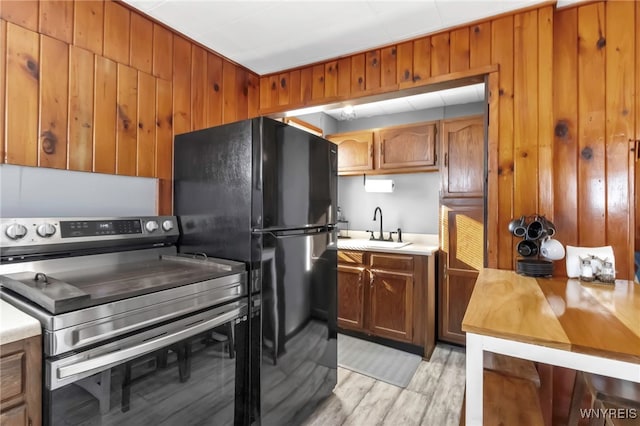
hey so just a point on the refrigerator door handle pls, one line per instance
(296, 230)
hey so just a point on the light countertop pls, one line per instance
(15, 324)
(421, 244)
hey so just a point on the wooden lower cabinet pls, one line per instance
(21, 382)
(391, 296)
(351, 296)
(461, 258)
(391, 302)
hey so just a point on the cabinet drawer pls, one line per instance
(11, 375)
(349, 256)
(397, 262)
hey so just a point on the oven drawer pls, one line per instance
(195, 363)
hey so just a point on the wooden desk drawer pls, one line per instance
(398, 262)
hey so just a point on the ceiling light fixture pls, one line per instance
(348, 113)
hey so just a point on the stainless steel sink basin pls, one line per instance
(385, 244)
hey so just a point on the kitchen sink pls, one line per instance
(385, 244)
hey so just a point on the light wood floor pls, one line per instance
(434, 396)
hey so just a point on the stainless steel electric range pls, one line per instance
(133, 332)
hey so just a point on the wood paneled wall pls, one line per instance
(95, 86)
(562, 112)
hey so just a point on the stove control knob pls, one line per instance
(167, 225)
(151, 226)
(46, 230)
(16, 231)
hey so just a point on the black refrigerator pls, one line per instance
(265, 193)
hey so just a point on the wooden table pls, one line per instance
(558, 321)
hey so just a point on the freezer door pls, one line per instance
(213, 190)
(299, 177)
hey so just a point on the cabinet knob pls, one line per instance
(372, 277)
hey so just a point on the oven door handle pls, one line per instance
(103, 362)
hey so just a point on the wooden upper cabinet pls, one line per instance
(355, 150)
(462, 151)
(407, 146)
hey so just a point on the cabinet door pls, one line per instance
(391, 309)
(350, 296)
(462, 245)
(355, 150)
(408, 146)
(462, 168)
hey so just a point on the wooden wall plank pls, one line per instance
(21, 12)
(372, 70)
(565, 142)
(273, 95)
(283, 89)
(440, 54)
(146, 128)
(306, 84)
(162, 52)
(116, 32)
(493, 145)
(502, 53)
(389, 66)
(22, 82)
(545, 112)
(357, 74)
(127, 129)
(480, 45)
(459, 50)
(141, 49)
(295, 96)
(164, 129)
(331, 79)
(344, 77)
(405, 62)
(181, 85)
(81, 91)
(265, 91)
(317, 89)
(620, 111)
(229, 95)
(525, 120)
(242, 93)
(254, 94)
(422, 59)
(54, 93)
(214, 90)
(199, 111)
(591, 125)
(56, 19)
(635, 222)
(3, 70)
(105, 106)
(88, 25)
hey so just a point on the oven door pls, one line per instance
(188, 371)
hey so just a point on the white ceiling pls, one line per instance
(457, 96)
(273, 35)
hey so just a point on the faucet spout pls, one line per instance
(375, 215)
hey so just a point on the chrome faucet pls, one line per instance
(375, 215)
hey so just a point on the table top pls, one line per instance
(592, 318)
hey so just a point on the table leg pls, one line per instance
(474, 370)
